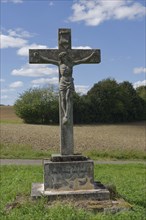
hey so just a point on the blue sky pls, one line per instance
(116, 27)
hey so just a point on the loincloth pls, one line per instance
(66, 83)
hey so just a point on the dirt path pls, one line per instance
(39, 162)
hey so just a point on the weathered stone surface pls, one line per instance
(64, 158)
(92, 200)
(66, 131)
(94, 194)
(37, 190)
(65, 58)
(75, 54)
(68, 176)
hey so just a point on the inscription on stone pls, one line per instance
(68, 176)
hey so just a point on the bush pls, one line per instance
(38, 105)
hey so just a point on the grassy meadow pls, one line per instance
(16, 203)
(118, 141)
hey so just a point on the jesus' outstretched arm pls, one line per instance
(45, 59)
(76, 62)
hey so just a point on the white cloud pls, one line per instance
(53, 80)
(35, 86)
(94, 12)
(82, 89)
(81, 47)
(2, 80)
(13, 1)
(4, 97)
(16, 84)
(6, 90)
(138, 70)
(10, 41)
(139, 83)
(15, 38)
(19, 32)
(24, 51)
(34, 70)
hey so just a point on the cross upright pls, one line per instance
(65, 58)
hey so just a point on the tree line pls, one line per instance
(106, 102)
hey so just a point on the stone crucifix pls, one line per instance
(65, 58)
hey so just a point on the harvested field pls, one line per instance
(99, 138)
(7, 114)
(115, 141)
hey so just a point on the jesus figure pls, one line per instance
(66, 84)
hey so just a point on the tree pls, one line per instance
(133, 104)
(141, 91)
(114, 102)
(104, 101)
(107, 101)
(38, 105)
(81, 109)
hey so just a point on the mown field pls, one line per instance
(19, 140)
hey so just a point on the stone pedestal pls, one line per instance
(68, 176)
(72, 177)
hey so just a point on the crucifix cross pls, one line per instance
(65, 58)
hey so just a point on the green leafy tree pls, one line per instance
(141, 91)
(107, 101)
(105, 104)
(114, 102)
(81, 109)
(133, 104)
(38, 105)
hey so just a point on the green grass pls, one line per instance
(116, 154)
(25, 151)
(8, 121)
(22, 151)
(17, 205)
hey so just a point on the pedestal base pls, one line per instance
(70, 179)
(67, 158)
(69, 175)
(94, 194)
